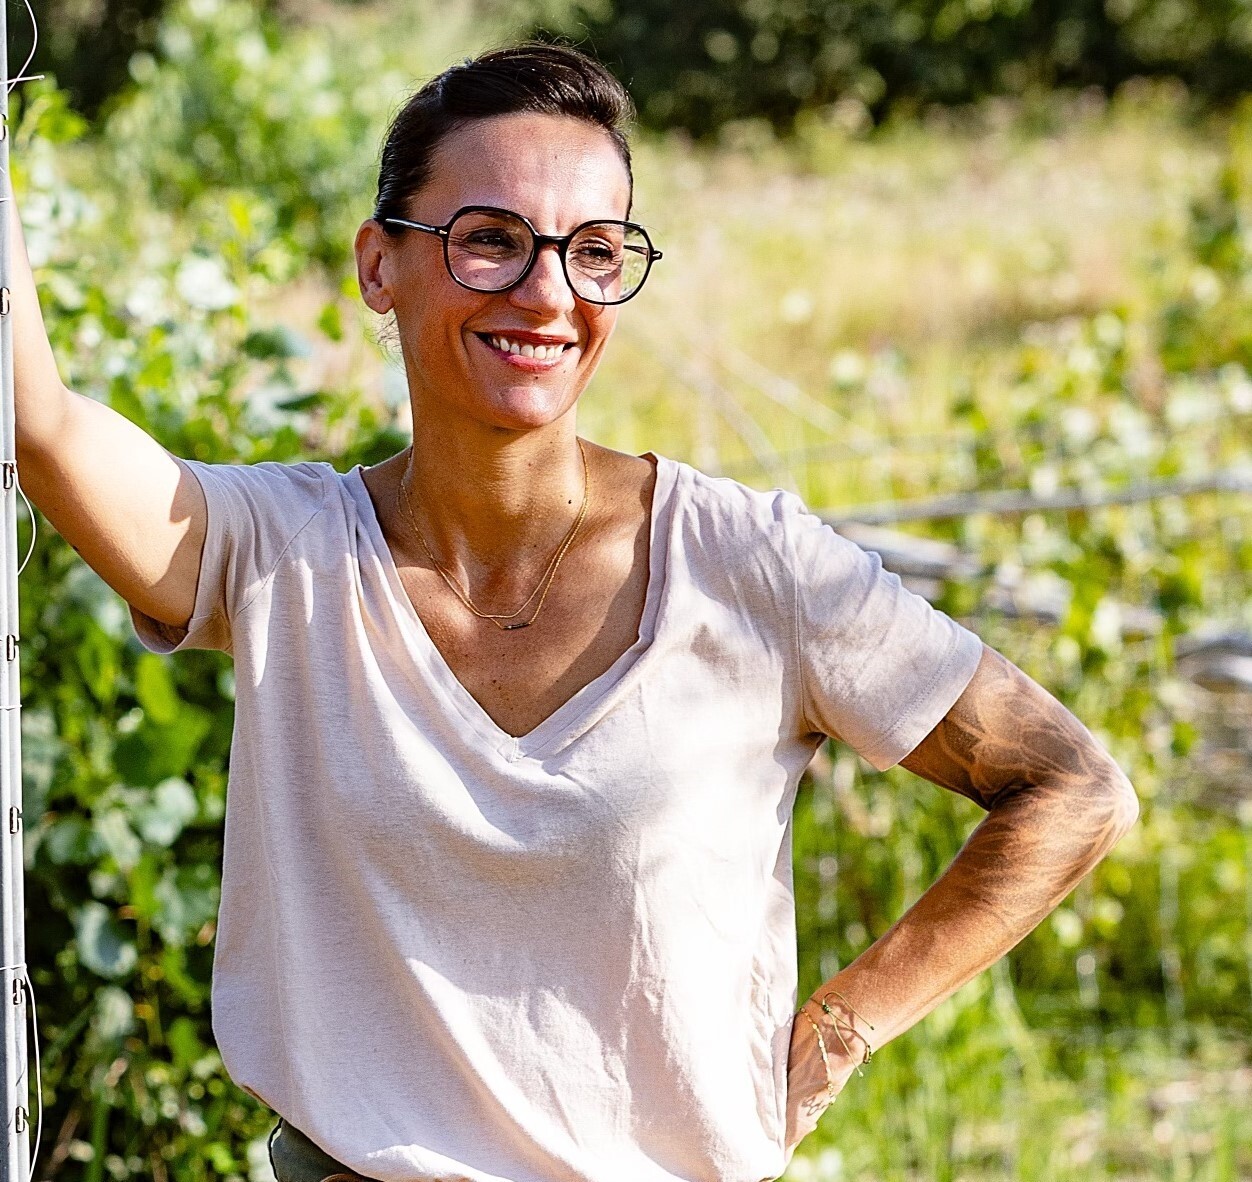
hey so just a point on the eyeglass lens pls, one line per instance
(605, 262)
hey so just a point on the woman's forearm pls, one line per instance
(1026, 855)
(1056, 804)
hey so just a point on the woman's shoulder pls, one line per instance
(288, 484)
(735, 509)
(270, 501)
(753, 534)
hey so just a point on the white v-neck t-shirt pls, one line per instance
(444, 952)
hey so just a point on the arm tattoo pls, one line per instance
(1056, 801)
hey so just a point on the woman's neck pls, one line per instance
(481, 495)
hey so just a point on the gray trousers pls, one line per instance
(295, 1158)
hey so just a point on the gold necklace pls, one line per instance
(545, 580)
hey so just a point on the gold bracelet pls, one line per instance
(821, 1046)
(869, 1051)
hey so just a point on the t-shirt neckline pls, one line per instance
(591, 701)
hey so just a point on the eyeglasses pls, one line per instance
(488, 249)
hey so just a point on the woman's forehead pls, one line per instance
(555, 170)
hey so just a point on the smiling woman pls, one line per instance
(506, 890)
(483, 273)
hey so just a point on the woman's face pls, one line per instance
(558, 172)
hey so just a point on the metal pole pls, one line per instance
(15, 1160)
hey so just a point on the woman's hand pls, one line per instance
(807, 1093)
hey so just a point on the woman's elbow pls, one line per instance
(1122, 803)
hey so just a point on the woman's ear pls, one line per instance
(371, 258)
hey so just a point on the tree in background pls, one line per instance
(88, 43)
(700, 64)
(703, 63)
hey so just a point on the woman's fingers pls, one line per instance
(802, 1118)
(807, 1093)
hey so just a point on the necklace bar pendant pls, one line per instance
(520, 624)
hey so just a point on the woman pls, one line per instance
(506, 883)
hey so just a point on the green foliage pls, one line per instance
(150, 272)
(87, 46)
(280, 129)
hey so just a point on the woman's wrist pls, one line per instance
(827, 1046)
(843, 1033)
(827, 1067)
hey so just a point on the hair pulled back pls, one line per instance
(534, 76)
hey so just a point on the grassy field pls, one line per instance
(886, 278)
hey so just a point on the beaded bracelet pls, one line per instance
(821, 1041)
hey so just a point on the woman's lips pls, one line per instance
(525, 355)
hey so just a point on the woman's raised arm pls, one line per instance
(1056, 804)
(116, 495)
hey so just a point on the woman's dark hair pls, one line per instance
(535, 76)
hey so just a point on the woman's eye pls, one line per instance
(491, 240)
(597, 252)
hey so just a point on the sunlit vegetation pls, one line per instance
(1035, 296)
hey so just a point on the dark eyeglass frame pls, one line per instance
(560, 241)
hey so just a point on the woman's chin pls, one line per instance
(511, 404)
(526, 408)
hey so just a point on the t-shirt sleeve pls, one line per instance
(879, 666)
(254, 513)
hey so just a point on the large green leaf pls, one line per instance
(187, 899)
(72, 841)
(153, 753)
(173, 806)
(154, 688)
(103, 945)
(113, 829)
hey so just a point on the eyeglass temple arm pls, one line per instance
(442, 230)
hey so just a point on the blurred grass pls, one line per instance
(887, 277)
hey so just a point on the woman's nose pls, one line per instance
(545, 287)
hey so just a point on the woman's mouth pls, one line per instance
(525, 354)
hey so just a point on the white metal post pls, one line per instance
(14, 1115)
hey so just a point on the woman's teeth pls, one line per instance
(538, 352)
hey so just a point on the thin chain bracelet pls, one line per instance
(869, 1051)
(821, 1046)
